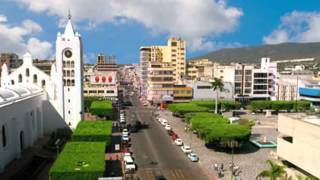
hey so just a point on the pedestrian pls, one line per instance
(216, 166)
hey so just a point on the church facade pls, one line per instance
(33, 103)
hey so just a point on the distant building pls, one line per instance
(310, 91)
(182, 93)
(298, 141)
(200, 69)
(11, 60)
(202, 90)
(160, 82)
(102, 79)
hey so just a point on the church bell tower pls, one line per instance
(69, 62)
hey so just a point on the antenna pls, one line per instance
(69, 14)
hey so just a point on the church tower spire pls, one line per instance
(69, 31)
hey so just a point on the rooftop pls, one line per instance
(17, 92)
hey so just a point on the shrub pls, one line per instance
(301, 106)
(260, 105)
(183, 108)
(83, 157)
(215, 128)
(101, 108)
(281, 105)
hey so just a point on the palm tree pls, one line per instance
(217, 86)
(276, 171)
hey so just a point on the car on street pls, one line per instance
(125, 132)
(186, 149)
(178, 142)
(193, 157)
(129, 164)
(168, 127)
(122, 121)
(164, 122)
(125, 138)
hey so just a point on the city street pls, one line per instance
(155, 154)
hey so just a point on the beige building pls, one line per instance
(299, 141)
(160, 82)
(200, 69)
(224, 72)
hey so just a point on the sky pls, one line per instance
(120, 27)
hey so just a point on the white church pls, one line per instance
(33, 103)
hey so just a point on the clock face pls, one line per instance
(68, 53)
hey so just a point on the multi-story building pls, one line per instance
(200, 69)
(224, 72)
(203, 90)
(182, 93)
(173, 56)
(310, 91)
(298, 141)
(243, 82)
(101, 80)
(260, 84)
(160, 82)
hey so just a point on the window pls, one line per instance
(110, 92)
(35, 78)
(173, 43)
(4, 137)
(204, 87)
(12, 82)
(68, 82)
(20, 78)
(288, 138)
(72, 63)
(43, 83)
(69, 112)
(68, 100)
(27, 72)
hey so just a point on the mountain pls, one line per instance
(275, 52)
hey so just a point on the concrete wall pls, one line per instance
(304, 151)
(27, 120)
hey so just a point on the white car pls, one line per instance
(164, 122)
(125, 132)
(125, 138)
(168, 127)
(122, 121)
(193, 157)
(186, 149)
(129, 164)
(178, 142)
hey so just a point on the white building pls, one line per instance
(33, 103)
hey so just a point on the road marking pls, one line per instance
(147, 175)
(179, 174)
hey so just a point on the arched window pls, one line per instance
(12, 82)
(43, 83)
(27, 72)
(68, 82)
(64, 64)
(4, 136)
(72, 82)
(72, 63)
(64, 72)
(72, 73)
(20, 78)
(68, 73)
(35, 78)
(64, 82)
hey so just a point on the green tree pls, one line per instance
(217, 86)
(275, 172)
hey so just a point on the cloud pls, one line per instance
(296, 27)
(17, 39)
(192, 20)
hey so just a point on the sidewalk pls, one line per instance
(251, 163)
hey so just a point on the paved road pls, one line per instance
(154, 151)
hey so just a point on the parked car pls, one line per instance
(164, 122)
(129, 164)
(186, 149)
(178, 142)
(125, 132)
(174, 136)
(168, 127)
(125, 138)
(193, 157)
(122, 121)
(170, 132)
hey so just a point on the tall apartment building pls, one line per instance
(243, 81)
(160, 82)
(173, 56)
(200, 69)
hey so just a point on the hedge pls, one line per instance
(201, 106)
(279, 105)
(93, 131)
(101, 108)
(212, 127)
(84, 156)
